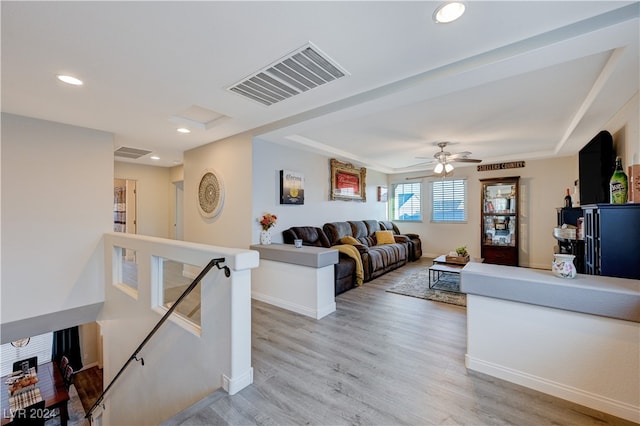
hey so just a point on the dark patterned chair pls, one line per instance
(415, 244)
(377, 259)
(344, 270)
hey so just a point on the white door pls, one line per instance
(179, 214)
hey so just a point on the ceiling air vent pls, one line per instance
(301, 70)
(133, 153)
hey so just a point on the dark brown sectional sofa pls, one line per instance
(376, 259)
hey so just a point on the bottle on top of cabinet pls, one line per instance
(618, 185)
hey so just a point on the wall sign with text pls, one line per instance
(500, 166)
(291, 187)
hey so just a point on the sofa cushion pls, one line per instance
(388, 225)
(310, 236)
(414, 243)
(385, 237)
(372, 226)
(361, 233)
(349, 240)
(336, 230)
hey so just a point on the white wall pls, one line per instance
(270, 158)
(231, 160)
(154, 197)
(625, 128)
(57, 201)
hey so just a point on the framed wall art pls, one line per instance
(382, 194)
(210, 194)
(291, 187)
(347, 182)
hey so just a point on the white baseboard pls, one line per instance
(570, 393)
(233, 386)
(430, 255)
(318, 313)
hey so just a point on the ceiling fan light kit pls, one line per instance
(445, 158)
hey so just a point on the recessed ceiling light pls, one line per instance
(183, 130)
(448, 12)
(69, 80)
(155, 157)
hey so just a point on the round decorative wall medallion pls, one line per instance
(210, 194)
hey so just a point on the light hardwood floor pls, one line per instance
(380, 359)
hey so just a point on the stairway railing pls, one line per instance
(134, 356)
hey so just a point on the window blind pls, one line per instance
(39, 346)
(449, 200)
(407, 204)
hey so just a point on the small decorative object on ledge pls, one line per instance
(562, 266)
(265, 237)
(267, 221)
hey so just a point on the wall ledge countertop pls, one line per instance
(314, 257)
(591, 294)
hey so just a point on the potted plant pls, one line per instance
(462, 251)
(460, 256)
(267, 221)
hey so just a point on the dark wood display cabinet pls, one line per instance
(500, 223)
(611, 237)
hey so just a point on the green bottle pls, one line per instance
(618, 185)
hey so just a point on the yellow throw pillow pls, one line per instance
(385, 237)
(349, 240)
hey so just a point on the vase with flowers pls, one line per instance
(267, 221)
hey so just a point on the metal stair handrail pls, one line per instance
(134, 357)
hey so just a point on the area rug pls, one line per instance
(417, 285)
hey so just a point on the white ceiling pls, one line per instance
(508, 81)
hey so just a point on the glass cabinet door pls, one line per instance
(499, 230)
(499, 198)
(499, 211)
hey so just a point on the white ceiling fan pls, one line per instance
(444, 159)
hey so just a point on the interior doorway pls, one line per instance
(125, 210)
(179, 211)
(124, 206)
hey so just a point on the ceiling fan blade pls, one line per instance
(466, 160)
(460, 154)
(423, 163)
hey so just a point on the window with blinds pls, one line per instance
(406, 202)
(39, 346)
(449, 200)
